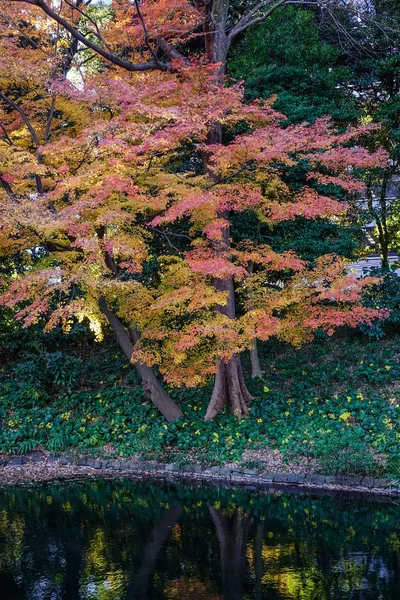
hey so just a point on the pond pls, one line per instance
(122, 539)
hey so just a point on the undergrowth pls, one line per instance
(336, 389)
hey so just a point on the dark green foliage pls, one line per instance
(311, 238)
(385, 294)
(345, 453)
(285, 55)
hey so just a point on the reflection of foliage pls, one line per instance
(189, 588)
(297, 547)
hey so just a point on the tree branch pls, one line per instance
(97, 32)
(110, 56)
(49, 119)
(7, 188)
(253, 16)
(24, 116)
(170, 51)
(35, 139)
(7, 138)
(145, 33)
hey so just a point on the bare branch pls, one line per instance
(145, 33)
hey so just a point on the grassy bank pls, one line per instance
(332, 406)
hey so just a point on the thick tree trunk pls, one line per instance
(255, 361)
(232, 533)
(151, 385)
(229, 387)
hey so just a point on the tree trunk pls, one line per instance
(384, 234)
(151, 385)
(381, 217)
(229, 387)
(255, 361)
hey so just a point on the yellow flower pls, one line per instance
(266, 389)
(197, 432)
(388, 367)
(259, 420)
(311, 412)
(345, 416)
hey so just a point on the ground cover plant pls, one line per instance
(335, 401)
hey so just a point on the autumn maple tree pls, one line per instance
(118, 178)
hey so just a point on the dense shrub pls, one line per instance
(385, 294)
(345, 453)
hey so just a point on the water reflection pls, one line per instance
(123, 540)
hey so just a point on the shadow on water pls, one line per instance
(122, 539)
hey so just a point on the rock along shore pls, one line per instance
(36, 466)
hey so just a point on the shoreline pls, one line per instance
(24, 470)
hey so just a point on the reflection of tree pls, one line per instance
(118, 539)
(258, 542)
(232, 528)
(138, 586)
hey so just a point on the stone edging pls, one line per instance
(235, 475)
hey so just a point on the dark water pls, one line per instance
(122, 539)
